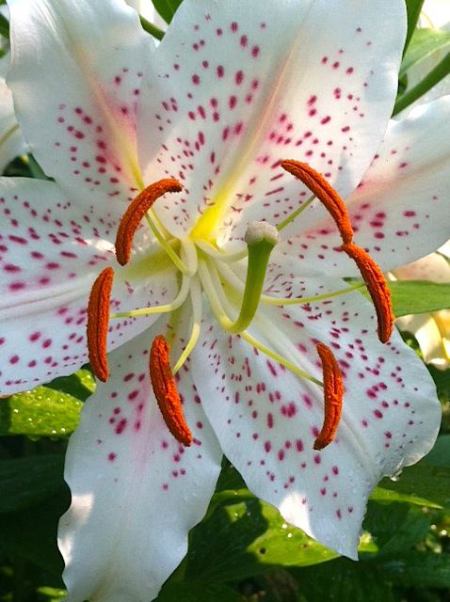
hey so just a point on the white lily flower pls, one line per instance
(232, 90)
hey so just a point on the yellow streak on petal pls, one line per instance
(256, 129)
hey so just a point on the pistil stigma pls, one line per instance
(261, 238)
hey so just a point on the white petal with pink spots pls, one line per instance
(266, 419)
(84, 132)
(233, 92)
(400, 210)
(135, 491)
(50, 253)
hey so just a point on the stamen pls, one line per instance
(218, 300)
(98, 322)
(333, 396)
(136, 211)
(325, 193)
(166, 392)
(196, 301)
(377, 287)
(236, 282)
(158, 309)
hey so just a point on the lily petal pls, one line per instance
(76, 89)
(403, 199)
(130, 480)
(266, 420)
(50, 254)
(238, 89)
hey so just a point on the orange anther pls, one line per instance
(325, 193)
(377, 287)
(98, 323)
(333, 395)
(166, 392)
(135, 212)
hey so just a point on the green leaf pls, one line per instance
(395, 528)
(380, 494)
(51, 594)
(42, 412)
(419, 570)
(198, 592)
(437, 74)
(243, 539)
(442, 381)
(419, 296)
(413, 8)
(80, 385)
(30, 534)
(424, 43)
(344, 581)
(166, 8)
(429, 479)
(27, 481)
(4, 26)
(151, 28)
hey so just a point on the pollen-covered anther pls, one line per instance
(377, 287)
(136, 211)
(325, 193)
(166, 393)
(98, 323)
(333, 396)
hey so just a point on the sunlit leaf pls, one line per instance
(42, 412)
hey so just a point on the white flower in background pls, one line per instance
(432, 331)
(210, 114)
(435, 14)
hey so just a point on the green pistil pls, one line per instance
(261, 239)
